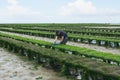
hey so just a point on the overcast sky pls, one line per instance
(59, 11)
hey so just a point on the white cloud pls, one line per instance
(15, 9)
(78, 7)
(108, 12)
(82, 7)
(13, 2)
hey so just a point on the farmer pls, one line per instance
(63, 37)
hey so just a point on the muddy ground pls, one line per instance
(15, 67)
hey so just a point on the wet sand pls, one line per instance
(89, 46)
(14, 67)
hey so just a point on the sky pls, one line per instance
(59, 11)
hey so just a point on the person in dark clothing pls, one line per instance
(63, 35)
